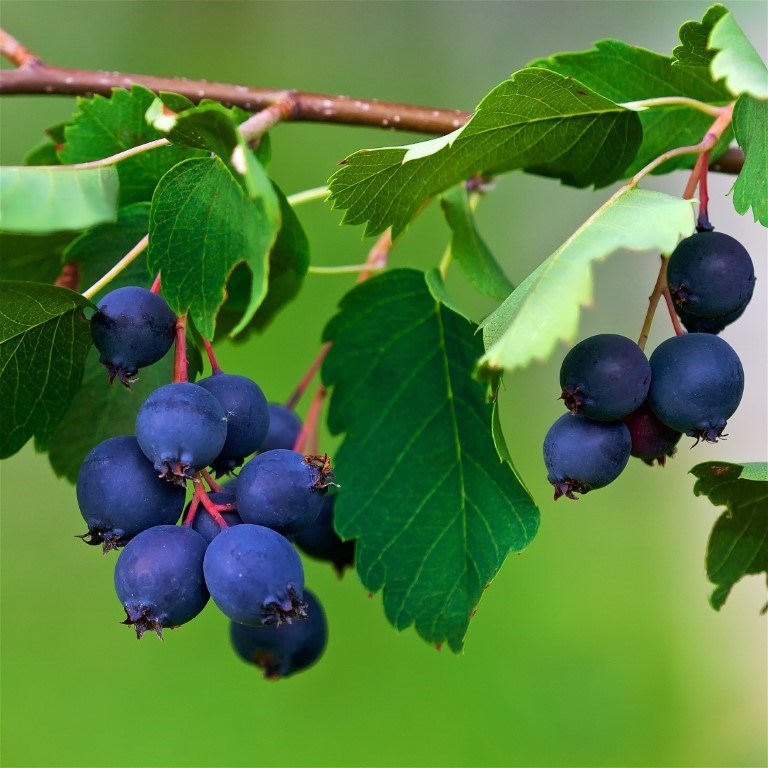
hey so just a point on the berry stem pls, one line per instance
(16, 53)
(215, 367)
(703, 224)
(212, 484)
(129, 258)
(307, 196)
(306, 379)
(180, 373)
(189, 518)
(156, 284)
(679, 331)
(213, 509)
(307, 439)
(653, 300)
(344, 269)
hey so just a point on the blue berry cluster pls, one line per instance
(237, 543)
(623, 404)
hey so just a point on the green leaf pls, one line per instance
(433, 511)
(694, 50)
(202, 224)
(437, 288)
(99, 411)
(36, 258)
(103, 127)
(469, 249)
(737, 61)
(42, 154)
(544, 309)
(536, 120)
(626, 73)
(44, 338)
(738, 544)
(750, 124)
(51, 198)
(99, 249)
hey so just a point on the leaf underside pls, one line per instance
(545, 307)
(736, 60)
(537, 120)
(432, 509)
(738, 544)
(44, 338)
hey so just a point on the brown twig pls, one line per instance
(304, 106)
(16, 53)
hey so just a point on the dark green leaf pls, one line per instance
(99, 411)
(750, 124)
(99, 249)
(469, 249)
(201, 225)
(694, 50)
(54, 198)
(738, 544)
(43, 154)
(545, 307)
(536, 120)
(736, 60)
(433, 511)
(103, 127)
(44, 338)
(626, 73)
(36, 258)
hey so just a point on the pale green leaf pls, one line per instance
(544, 309)
(537, 120)
(736, 60)
(42, 198)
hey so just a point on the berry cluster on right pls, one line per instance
(624, 404)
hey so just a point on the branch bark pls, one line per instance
(35, 77)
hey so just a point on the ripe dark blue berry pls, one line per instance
(283, 651)
(321, 541)
(205, 525)
(282, 490)
(181, 428)
(284, 428)
(159, 578)
(120, 494)
(582, 454)
(605, 377)
(133, 328)
(710, 274)
(255, 576)
(697, 384)
(247, 417)
(652, 440)
(695, 324)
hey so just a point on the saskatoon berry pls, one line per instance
(247, 417)
(695, 324)
(710, 274)
(321, 541)
(582, 454)
(282, 490)
(181, 428)
(133, 328)
(283, 651)
(652, 440)
(255, 576)
(205, 525)
(697, 384)
(605, 377)
(159, 578)
(120, 494)
(284, 428)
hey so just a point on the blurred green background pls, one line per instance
(594, 647)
